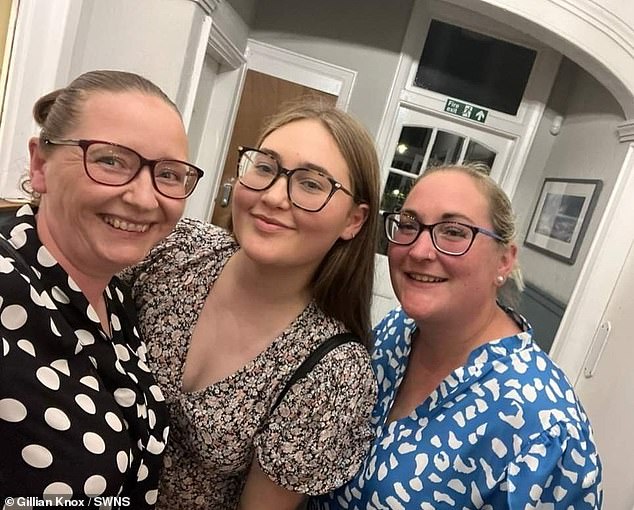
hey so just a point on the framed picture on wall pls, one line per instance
(561, 217)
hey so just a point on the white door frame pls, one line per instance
(522, 126)
(297, 68)
(416, 116)
(224, 50)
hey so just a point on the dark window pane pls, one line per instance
(446, 149)
(411, 148)
(479, 153)
(383, 242)
(396, 189)
(474, 67)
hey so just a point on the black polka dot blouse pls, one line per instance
(81, 415)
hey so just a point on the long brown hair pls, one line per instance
(342, 284)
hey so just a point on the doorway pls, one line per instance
(8, 13)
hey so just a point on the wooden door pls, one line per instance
(262, 96)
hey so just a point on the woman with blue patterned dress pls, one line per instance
(472, 414)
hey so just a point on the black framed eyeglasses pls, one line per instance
(448, 237)
(112, 164)
(307, 188)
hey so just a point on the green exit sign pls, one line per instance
(465, 110)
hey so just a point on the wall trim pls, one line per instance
(625, 131)
(221, 47)
(208, 6)
(192, 84)
(44, 33)
(582, 30)
(602, 20)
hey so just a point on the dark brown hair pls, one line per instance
(58, 111)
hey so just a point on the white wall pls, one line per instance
(44, 31)
(156, 38)
(597, 34)
(587, 147)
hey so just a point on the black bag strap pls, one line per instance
(309, 363)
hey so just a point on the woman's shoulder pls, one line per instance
(192, 242)
(393, 327)
(528, 380)
(392, 337)
(320, 433)
(197, 234)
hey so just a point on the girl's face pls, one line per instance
(100, 229)
(431, 285)
(272, 231)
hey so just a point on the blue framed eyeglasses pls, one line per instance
(448, 237)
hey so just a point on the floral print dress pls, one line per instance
(313, 442)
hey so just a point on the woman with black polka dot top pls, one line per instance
(81, 416)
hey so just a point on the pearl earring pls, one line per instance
(500, 279)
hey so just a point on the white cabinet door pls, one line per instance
(608, 395)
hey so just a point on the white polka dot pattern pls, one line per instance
(57, 419)
(12, 410)
(503, 432)
(86, 403)
(48, 378)
(58, 489)
(61, 365)
(95, 485)
(94, 443)
(37, 456)
(69, 418)
(13, 317)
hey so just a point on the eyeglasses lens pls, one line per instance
(113, 165)
(400, 230)
(308, 189)
(448, 237)
(452, 238)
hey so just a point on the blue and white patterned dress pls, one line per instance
(505, 431)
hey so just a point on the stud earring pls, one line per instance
(500, 279)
